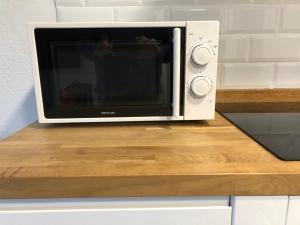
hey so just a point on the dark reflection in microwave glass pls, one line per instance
(125, 72)
(85, 72)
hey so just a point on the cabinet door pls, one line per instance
(293, 217)
(262, 210)
(125, 216)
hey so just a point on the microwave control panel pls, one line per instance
(202, 39)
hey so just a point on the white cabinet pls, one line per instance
(293, 217)
(246, 210)
(259, 210)
(134, 216)
(186, 212)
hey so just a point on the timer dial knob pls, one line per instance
(201, 54)
(200, 86)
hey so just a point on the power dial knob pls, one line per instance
(200, 86)
(201, 54)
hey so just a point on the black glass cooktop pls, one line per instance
(279, 133)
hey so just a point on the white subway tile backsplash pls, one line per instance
(84, 14)
(141, 13)
(247, 75)
(223, 2)
(275, 1)
(290, 19)
(287, 75)
(184, 13)
(233, 48)
(196, 13)
(252, 19)
(70, 2)
(112, 2)
(274, 48)
(168, 2)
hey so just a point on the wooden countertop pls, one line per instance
(141, 159)
(264, 100)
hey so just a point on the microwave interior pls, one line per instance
(107, 72)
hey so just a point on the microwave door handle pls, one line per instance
(176, 71)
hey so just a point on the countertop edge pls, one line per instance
(150, 186)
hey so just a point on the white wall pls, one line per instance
(17, 99)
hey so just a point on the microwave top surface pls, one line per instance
(114, 24)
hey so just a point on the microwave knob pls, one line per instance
(201, 54)
(200, 86)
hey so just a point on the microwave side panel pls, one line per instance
(36, 73)
(203, 35)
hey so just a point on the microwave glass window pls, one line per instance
(105, 72)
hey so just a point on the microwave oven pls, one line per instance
(135, 71)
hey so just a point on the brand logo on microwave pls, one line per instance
(108, 113)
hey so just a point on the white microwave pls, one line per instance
(137, 71)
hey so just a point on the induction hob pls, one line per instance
(279, 133)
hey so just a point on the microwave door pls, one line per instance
(176, 71)
(110, 72)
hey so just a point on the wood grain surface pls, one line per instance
(265, 100)
(140, 159)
